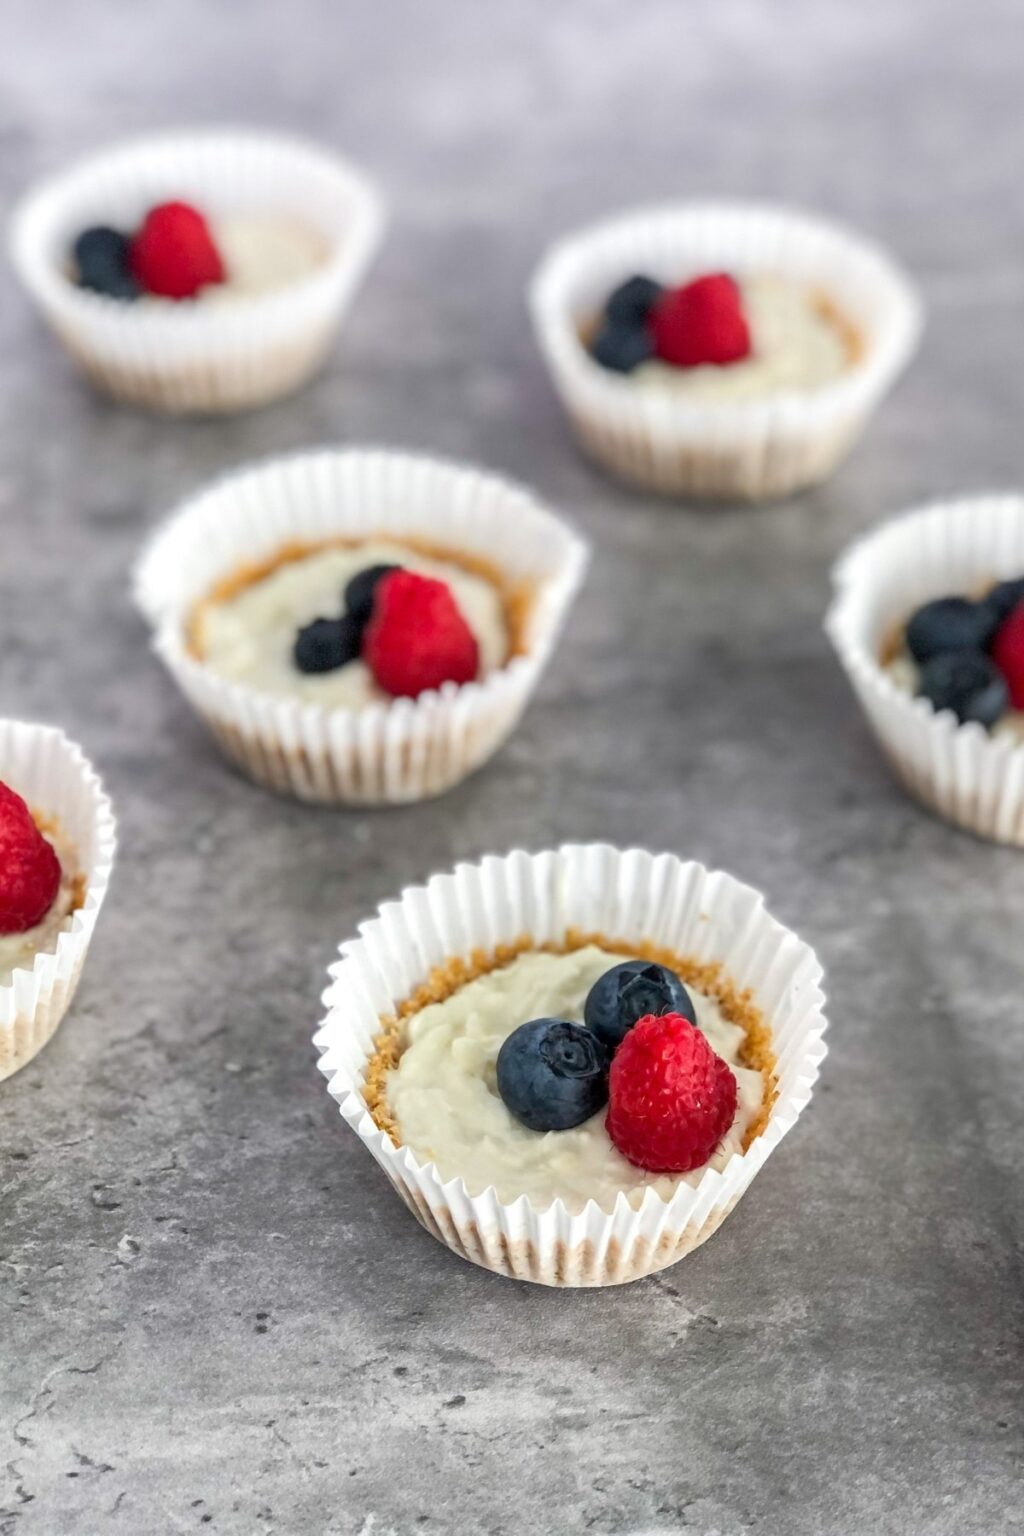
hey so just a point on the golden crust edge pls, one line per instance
(737, 1004)
(79, 880)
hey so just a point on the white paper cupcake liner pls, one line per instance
(51, 774)
(748, 450)
(200, 357)
(393, 751)
(960, 771)
(632, 897)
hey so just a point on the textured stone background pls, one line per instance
(215, 1315)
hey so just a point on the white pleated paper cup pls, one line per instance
(963, 773)
(59, 785)
(630, 898)
(200, 358)
(753, 450)
(397, 750)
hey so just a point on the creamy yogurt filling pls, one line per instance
(262, 252)
(18, 950)
(903, 671)
(443, 1098)
(249, 636)
(796, 344)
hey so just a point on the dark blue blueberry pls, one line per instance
(949, 624)
(101, 260)
(629, 992)
(622, 347)
(327, 644)
(1004, 597)
(631, 302)
(552, 1075)
(360, 591)
(967, 682)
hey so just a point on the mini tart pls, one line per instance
(676, 441)
(675, 911)
(707, 979)
(18, 951)
(500, 628)
(967, 774)
(229, 352)
(385, 751)
(42, 966)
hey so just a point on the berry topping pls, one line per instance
(326, 644)
(552, 1075)
(949, 624)
(1008, 654)
(1005, 596)
(670, 1098)
(29, 867)
(967, 682)
(173, 253)
(417, 638)
(359, 593)
(702, 322)
(622, 347)
(627, 993)
(630, 304)
(101, 259)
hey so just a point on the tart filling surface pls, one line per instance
(965, 654)
(432, 1084)
(18, 950)
(245, 629)
(719, 338)
(798, 341)
(176, 253)
(262, 253)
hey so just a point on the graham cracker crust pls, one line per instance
(516, 597)
(737, 1006)
(79, 882)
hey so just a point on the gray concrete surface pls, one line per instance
(215, 1315)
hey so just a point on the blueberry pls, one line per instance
(949, 624)
(627, 993)
(360, 591)
(632, 301)
(327, 644)
(622, 347)
(1004, 597)
(967, 682)
(101, 258)
(552, 1075)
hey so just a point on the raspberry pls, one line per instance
(1008, 654)
(417, 638)
(29, 868)
(173, 253)
(702, 322)
(670, 1098)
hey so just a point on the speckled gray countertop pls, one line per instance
(215, 1316)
